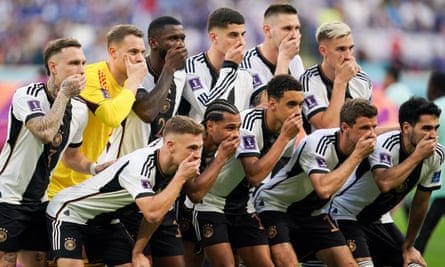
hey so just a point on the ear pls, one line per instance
(170, 145)
(322, 49)
(344, 127)
(266, 30)
(52, 66)
(153, 43)
(272, 102)
(212, 36)
(405, 127)
(112, 51)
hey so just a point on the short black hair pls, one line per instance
(55, 46)
(279, 8)
(222, 17)
(158, 24)
(280, 84)
(411, 110)
(355, 108)
(215, 110)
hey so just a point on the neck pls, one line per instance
(52, 88)
(343, 144)
(269, 52)
(166, 162)
(209, 146)
(327, 71)
(272, 124)
(155, 63)
(215, 58)
(118, 76)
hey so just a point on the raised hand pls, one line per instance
(135, 72)
(426, 146)
(292, 125)
(289, 46)
(365, 145)
(176, 57)
(236, 52)
(189, 167)
(346, 69)
(228, 147)
(73, 85)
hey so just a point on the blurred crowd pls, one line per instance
(410, 33)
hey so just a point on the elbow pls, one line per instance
(384, 187)
(323, 194)
(46, 138)
(255, 180)
(195, 197)
(154, 217)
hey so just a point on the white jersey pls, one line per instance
(98, 199)
(291, 190)
(263, 71)
(318, 90)
(231, 193)
(205, 85)
(26, 163)
(360, 198)
(134, 133)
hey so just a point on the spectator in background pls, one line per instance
(393, 88)
(436, 93)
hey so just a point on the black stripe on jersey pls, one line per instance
(149, 165)
(306, 76)
(324, 143)
(190, 66)
(441, 152)
(216, 92)
(392, 141)
(362, 76)
(246, 64)
(34, 89)
(250, 117)
(14, 132)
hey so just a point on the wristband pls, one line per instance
(93, 168)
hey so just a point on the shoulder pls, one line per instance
(250, 116)
(194, 61)
(313, 71)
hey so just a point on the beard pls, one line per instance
(162, 53)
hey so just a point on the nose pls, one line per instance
(140, 57)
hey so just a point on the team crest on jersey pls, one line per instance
(34, 105)
(195, 84)
(256, 80)
(310, 101)
(436, 177)
(321, 162)
(184, 224)
(207, 230)
(272, 231)
(249, 142)
(70, 243)
(402, 187)
(385, 158)
(3, 235)
(352, 245)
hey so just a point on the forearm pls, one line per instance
(197, 188)
(75, 160)
(148, 104)
(418, 210)
(113, 111)
(145, 232)
(259, 169)
(389, 178)
(47, 126)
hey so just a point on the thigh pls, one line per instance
(118, 244)
(35, 237)
(166, 240)
(283, 254)
(66, 239)
(12, 226)
(246, 231)
(220, 255)
(336, 256)
(355, 238)
(276, 226)
(314, 233)
(212, 228)
(385, 242)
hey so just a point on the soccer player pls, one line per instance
(151, 177)
(222, 123)
(436, 93)
(290, 204)
(225, 217)
(278, 54)
(46, 123)
(338, 77)
(215, 74)
(109, 93)
(403, 160)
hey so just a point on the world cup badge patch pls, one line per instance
(195, 84)
(249, 142)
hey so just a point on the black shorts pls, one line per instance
(314, 233)
(166, 240)
(184, 215)
(110, 243)
(239, 230)
(23, 227)
(277, 226)
(382, 242)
